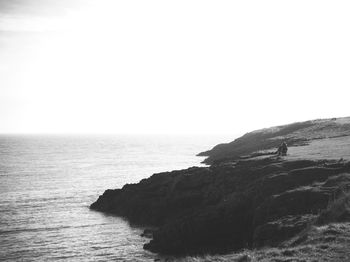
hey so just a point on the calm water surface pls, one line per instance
(48, 182)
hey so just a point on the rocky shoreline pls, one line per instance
(246, 198)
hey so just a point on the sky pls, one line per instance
(177, 67)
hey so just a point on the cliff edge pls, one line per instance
(248, 197)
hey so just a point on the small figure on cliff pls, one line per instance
(282, 149)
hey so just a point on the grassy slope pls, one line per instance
(296, 134)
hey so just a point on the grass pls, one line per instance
(338, 210)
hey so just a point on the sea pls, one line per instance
(47, 183)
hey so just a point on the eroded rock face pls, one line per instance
(158, 198)
(228, 206)
(274, 232)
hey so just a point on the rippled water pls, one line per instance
(48, 182)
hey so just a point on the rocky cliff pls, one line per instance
(248, 197)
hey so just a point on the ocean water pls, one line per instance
(48, 182)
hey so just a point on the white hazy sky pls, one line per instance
(171, 66)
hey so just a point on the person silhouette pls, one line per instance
(282, 149)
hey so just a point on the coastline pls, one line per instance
(246, 198)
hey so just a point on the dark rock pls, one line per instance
(244, 258)
(274, 232)
(305, 200)
(148, 233)
(217, 228)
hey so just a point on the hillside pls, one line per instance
(296, 134)
(248, 197)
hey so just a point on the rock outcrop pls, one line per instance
(246, 198)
